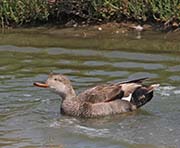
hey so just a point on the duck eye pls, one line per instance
(56, 79)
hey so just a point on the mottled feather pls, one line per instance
(100, 93)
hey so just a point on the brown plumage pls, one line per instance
(101, 100)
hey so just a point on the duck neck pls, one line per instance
(69, 94)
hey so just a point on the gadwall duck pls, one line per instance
(101, 100)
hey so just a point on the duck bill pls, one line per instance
(41, 84)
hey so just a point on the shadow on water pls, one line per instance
(30, 117)
(88, 37)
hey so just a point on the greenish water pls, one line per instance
(30, 116)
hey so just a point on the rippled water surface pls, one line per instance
(30, 117)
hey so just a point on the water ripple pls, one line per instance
(35, 111)
(139, 65)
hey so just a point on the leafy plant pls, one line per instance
(20, 12)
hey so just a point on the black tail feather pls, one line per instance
(141, 96)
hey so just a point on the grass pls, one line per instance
(20, 12)
(34, 12)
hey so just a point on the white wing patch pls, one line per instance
(127, 98)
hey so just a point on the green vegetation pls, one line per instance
(20, 12)
(34, 12)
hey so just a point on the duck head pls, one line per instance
(59, 84)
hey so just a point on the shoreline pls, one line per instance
(118, 27)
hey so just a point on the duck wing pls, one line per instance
(110, 92)
(101, 93)
(138, 81)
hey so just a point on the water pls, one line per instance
(30, 118)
